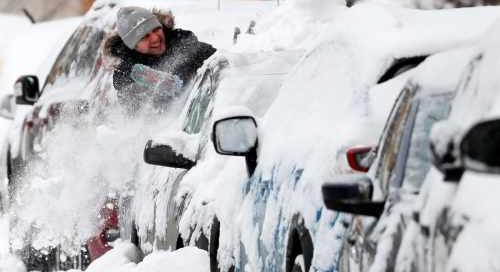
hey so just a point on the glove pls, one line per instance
(155, 80)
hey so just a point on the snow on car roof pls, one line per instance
(49, 38)
(336, 75)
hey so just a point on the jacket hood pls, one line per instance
(114, 46)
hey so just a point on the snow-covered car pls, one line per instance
(33, 61)
(229, 80)
(403, 160)
(338, 96)
(73, 75)
(453, 225)
(79, 86)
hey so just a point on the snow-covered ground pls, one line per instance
(124, 257)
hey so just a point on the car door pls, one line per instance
(400, 169)
(359, 249)
(164, 233)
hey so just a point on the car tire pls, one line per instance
(134, 235)
(213, 247)
(299, 264)
(56, 261)
(299, 244)
(179, 243)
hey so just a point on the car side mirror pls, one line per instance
(237, 136)
(7, 106)
(445, 152)
(361, 158)
(480, 147)
(165, 155)
(352, 194)
(27, 90)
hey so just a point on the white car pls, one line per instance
(337, 97)
(454, 226)
(21, 58)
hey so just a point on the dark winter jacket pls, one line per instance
(183, 56)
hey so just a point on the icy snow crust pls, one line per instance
(308, 114)
(455, 206)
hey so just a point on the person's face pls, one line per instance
(153, 43)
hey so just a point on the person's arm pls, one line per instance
(206, 50)
(128, 92)
(121, 77)
(197, 52)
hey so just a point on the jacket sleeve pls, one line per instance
(197, 52)
(128, 92)
(121, 76)
(202, 50)
(205, 51)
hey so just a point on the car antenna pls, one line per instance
(28, 14)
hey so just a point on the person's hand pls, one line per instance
(170, 83)
(156, 81)
(146, 76)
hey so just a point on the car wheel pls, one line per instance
(213, 247)
(299, 246)
(134, 236)
(180, 243)
(298, 264)
(60, 261)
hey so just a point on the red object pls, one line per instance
(29, 123)
(355, 155)
(98, 245)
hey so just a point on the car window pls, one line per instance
(199, 108)
(431, 109)
(78, 57)
(392, 138)
(199, 104)
(400, 66)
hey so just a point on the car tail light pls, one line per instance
(360, 158)
(109, 232)
(29, 123)
(109, 215)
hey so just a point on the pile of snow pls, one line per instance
(124, 257)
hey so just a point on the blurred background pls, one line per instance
(44, 10)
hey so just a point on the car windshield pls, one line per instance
(431, 109)
(77, 59)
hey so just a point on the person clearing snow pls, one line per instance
(156, 59)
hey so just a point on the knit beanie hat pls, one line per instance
(134, 23)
